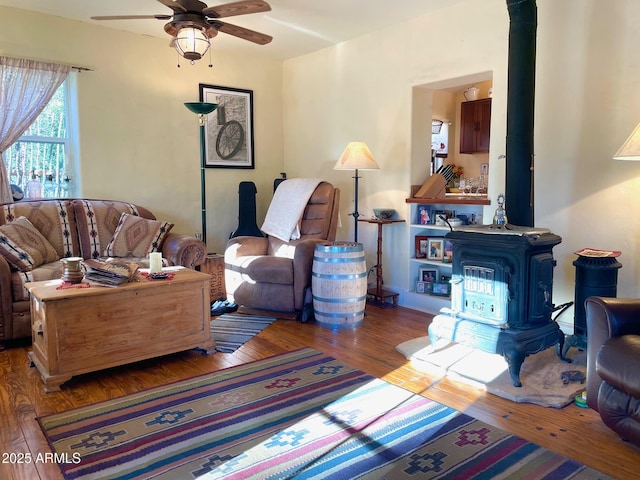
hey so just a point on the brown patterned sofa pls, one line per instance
(75, 228)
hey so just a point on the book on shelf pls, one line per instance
(110, 272)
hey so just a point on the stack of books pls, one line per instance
(110, 272)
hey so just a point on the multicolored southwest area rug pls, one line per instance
(297, 415)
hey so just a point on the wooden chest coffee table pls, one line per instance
(80, 330)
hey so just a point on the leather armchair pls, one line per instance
(613, 363)
(266, 273)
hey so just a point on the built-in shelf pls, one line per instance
(443, 228)
(435, 263)
(468, 204)
(452, 200)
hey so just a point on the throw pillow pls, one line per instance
(24, 247)
(137, 237)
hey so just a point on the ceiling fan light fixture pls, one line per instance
(193, 24)
(191, 43)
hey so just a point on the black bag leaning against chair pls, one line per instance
(247, 225)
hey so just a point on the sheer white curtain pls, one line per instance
(26, 86)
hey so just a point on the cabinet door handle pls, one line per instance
(37, 328)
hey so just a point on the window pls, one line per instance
(40, 164)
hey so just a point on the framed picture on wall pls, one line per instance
(229, 128)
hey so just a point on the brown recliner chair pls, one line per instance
(266, 273)
(613, 363)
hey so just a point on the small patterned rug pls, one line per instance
(232, 330)
(541, 374)
(301, 414)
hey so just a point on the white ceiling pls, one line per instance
(298, 26)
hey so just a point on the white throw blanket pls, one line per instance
(287, 207)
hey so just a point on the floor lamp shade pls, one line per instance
(356, 156)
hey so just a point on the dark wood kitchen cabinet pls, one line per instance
(475, 123)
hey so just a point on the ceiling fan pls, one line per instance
(193, 23)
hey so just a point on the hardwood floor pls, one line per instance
(574, 432)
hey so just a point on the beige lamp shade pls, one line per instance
(356, 156)
(630, 149)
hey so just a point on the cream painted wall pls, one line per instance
(587, 96)
(363, 90)
(138, 142)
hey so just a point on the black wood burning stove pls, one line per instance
(501, 294)
(502, 275)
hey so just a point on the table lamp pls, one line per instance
(630, 149)
(356, 156)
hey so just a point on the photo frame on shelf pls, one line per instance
(229, 128)
(424, 215)
(421, 246)
(436, 249)
(420, 287)
(441, 289)
(464, 218)
(429, 275)
(448, 251)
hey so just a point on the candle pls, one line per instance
(155, 262)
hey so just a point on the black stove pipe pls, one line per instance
(520, 111)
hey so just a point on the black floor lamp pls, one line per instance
(202, 109)
(356, 156)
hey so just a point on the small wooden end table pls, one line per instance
(379, 294)
(82, 329)
(214, 266)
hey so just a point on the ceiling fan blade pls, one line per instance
(132, 17)
(176, 7)
(241, 32)
(237, 8)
